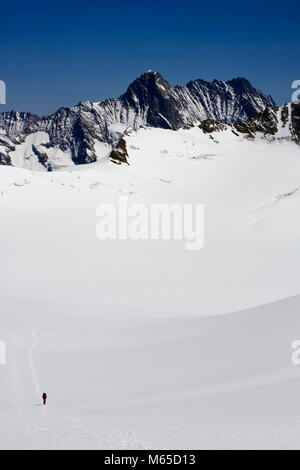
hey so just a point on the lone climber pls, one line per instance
(44, 398)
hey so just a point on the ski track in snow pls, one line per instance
(273, 200)
(32, 348)
(71, 427)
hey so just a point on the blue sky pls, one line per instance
(61, 52)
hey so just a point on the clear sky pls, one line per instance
(58, 53)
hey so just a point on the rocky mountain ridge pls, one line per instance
(92, 129)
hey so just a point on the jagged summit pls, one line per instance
(150, 72)
(241, 81)
(243, 84)
(148, 80)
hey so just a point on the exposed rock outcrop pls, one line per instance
(119, 154)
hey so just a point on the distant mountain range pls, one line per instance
(85, 132)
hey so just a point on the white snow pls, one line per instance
(116, 131)
(102, 150)
(24, 157)
(143, 344)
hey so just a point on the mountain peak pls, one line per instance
(150, 82)
(241, 82)
(150, 76)
(149, 100)
(150, 72)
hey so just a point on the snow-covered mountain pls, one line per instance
(87, 132)
(274, 123)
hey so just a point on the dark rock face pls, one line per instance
(225, 102)
(265, 122)
(149, 100)
(14, 123)
(7, 145)
(208, 126)
(42, 157)
(5, 159)
(119, 154)
(151, 97)
(295, 122)
(272, 121)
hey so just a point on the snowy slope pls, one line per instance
(38, 150)
(207, 383)
(143, 344)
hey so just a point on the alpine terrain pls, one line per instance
(142, 344)
(86, 132)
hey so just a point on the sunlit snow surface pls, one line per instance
(144, 344)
